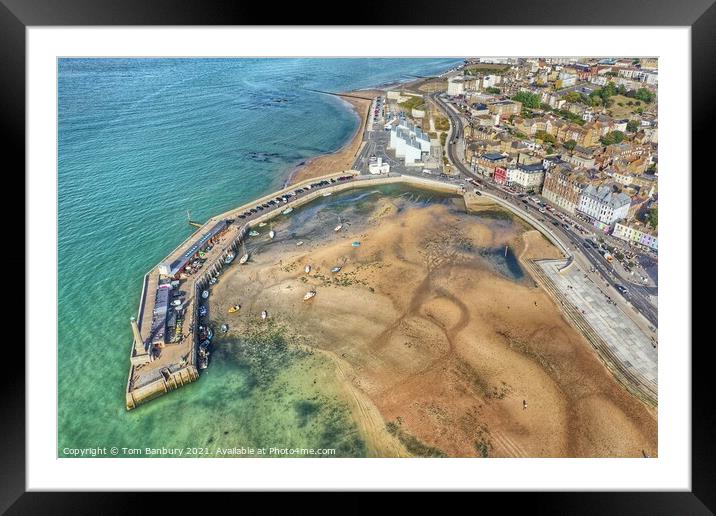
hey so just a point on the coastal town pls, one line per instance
(574, 140)
(568, 145)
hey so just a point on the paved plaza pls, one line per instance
(627, 342)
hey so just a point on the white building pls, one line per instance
(456, 86)
(376, 166)
(409, 142)
(566, 80)
(603, 204)
(490, 81)
(527, 177)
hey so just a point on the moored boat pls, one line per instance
(234, 308)
(338, 227)
(229, 258)
(299, 243)
(309, 295)
(244, 259)
(355, 244)
(224, 328)
(272, 233)
(326, 194)
(264, 314)
(287, 210)
(307, 269)
(253, 232)
(202, 310)
(205, 294)
(336, 269)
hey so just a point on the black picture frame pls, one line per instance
(17, 15)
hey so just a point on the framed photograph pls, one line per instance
(419, 258)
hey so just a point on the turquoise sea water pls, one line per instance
(141, 142)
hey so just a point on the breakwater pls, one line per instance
(160, 365)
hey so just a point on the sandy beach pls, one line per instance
(343, 158)
(439, 351)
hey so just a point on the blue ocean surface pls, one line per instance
(141, 143)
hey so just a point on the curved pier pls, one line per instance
(166, 340)
(165, 343)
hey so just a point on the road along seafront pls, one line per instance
(166, 331)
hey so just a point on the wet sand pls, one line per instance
(435, 341)
(343, 158)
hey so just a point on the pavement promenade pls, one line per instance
(628, 351)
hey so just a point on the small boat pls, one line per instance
(336, 269)
(264, 314)
(224, 328)
(287, 210)
(229, 258)
(253, 232)
(309, 295)
(307, 269)
(202, 310)
(213, 281)
(338, 227)
(244, 259)
(202, 361)
(234, 308)
(176, 302)
(326, 194)
(299, 243)
(355, 244)
(262, 224)
(209, 334)
(204, 345)
(205, 294)
(272, 233)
